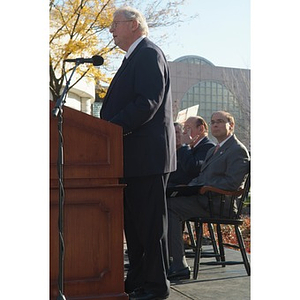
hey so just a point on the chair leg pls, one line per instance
(189, 228)
(242, 249)
(198, 251)
(213, 240)
(221, 246)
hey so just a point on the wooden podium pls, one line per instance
(93, 208)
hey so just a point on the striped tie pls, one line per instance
(217, 148)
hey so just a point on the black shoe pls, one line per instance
(180, 274)
(141, 294)
(130, 290)
(135, 292)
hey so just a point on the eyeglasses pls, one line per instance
(219, 121)
(114, 24)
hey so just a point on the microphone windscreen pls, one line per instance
(97, 60)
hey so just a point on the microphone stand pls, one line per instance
(58, 112)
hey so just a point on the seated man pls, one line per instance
(192, 145)
(224, 167)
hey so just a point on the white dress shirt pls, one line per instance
(133, 46)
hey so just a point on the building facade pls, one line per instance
(197, 81)
(81, 96)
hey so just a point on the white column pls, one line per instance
(86, 105)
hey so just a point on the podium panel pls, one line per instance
(93, 208)
(93, 148)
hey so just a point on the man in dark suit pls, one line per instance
(224, 167)
(192, 146)
(139, 100)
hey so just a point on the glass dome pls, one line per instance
(194, 59)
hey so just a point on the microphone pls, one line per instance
(96, 60)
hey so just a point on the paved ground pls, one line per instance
(214, 282)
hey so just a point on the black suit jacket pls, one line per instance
(139, 100)
(189, 161)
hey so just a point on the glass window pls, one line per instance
(213, 96)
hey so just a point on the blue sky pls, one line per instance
(220, 33)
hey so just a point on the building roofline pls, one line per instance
(194, 56)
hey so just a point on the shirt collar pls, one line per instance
(222, 143)
(199, 142)
(133, 46)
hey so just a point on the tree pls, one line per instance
(75, 30)
(80, 28)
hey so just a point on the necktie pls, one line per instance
(217, 148)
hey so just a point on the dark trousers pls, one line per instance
(181, 209)
(146, 229)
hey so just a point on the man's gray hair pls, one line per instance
(133, 14)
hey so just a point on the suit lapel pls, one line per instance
(117, 75)
(201, 143)
(208, 159)
(123, 67)
(211, 157)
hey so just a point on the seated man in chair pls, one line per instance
(225, 167)
(192, 145)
